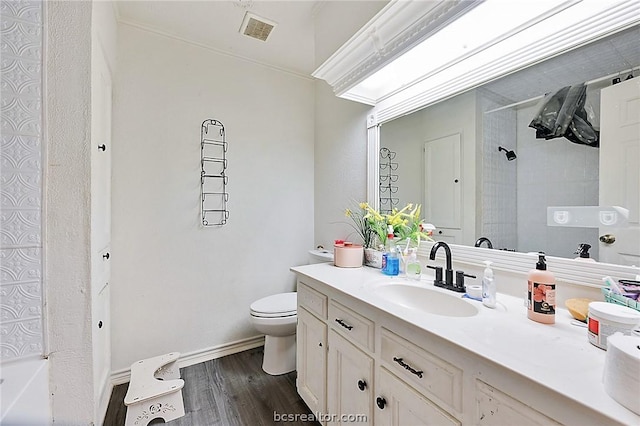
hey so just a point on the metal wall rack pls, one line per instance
(388, 179)
(213, 177)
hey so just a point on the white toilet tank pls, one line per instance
(320, 256)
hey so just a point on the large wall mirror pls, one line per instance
(494, 178)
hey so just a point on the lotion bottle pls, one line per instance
(488, 286)
(541, 294)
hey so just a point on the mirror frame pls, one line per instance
(410, 100)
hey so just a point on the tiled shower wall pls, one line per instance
(499, 220)
(515, 194)
(554, 172)
(21, 292)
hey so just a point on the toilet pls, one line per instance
(276, 317)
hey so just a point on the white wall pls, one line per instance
(407, 135)
(175, 285)
(67, 236)
(340, 157)
(340, 153)
(71, 28)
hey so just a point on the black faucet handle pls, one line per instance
(438, 270)
(459, 284)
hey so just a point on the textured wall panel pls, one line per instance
(20, 179)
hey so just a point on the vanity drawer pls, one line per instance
(312, 300)
(430, 374)
(351, 324)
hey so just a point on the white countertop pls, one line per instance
(558, 356)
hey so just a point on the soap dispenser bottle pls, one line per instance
(390, 260)
(488, 286)
(413, 269)
(541, 295)
(583, 253)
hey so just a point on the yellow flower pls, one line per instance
(371, 213)
(372, 226)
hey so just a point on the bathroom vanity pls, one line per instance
(402, 352)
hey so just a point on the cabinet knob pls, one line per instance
(99, 324)
(362, 385)
(102, 147)
(381, 402)
(320, 344)
(106, 256)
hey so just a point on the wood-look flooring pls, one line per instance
(228, 391)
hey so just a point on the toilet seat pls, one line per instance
(275, 306)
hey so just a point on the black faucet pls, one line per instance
(448, 282)
(484, 240)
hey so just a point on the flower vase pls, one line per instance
(373, 258)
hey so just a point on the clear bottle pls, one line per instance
(392, 263)
(541, 294)
(488, 286)
(413, 270)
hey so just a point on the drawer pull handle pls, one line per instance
(408, 367)
(362, 385)
(381, 402)
(344, 324)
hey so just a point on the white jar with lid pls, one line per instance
(607, 318)
(621, 376)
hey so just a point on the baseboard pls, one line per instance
(202, 355)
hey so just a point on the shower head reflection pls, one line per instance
(511, 155)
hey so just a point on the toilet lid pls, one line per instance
(283, 304)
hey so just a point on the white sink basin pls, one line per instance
(426, 299)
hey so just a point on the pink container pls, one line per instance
(348, 255)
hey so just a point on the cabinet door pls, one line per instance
(311, 358)
(619, 155)
(101, 342)
(100, 151)
(398, 404)
(494, 407)
(443, 182)
(349, 382)
(100, 224)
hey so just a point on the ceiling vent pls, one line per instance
(256, 26)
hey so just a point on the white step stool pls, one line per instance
(155, 390)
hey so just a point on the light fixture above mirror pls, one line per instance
(453, 46)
